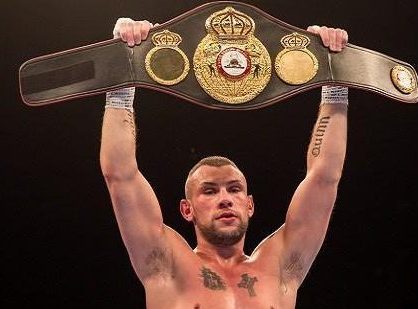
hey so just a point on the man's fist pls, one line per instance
(131, 31)
(333, 38)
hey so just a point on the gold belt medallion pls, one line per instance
(403, 79)
(295, 64)
(230, 63)
(166, 63)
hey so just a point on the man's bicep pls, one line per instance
(135, 203)
(294, 246)
(306, 224)
(139, 218)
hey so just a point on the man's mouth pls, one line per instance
(226, 215)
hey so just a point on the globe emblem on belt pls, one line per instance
(233, 63)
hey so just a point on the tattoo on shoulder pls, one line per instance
(159, 262)
(212, 280)
(318, 135)
(248, 282)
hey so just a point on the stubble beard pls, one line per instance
(222, 238)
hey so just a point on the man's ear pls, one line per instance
(186, 210)
(250, 206)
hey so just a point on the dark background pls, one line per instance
(61, 245)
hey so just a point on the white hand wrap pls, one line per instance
(334, 95)
(121, 99)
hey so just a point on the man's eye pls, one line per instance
(209, 191)
(235, 189)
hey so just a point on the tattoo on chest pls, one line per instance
(212, 280)
(248, 282)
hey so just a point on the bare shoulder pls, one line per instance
(272, 254)
(164, 257)
(268, 248)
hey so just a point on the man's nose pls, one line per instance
(225, 199)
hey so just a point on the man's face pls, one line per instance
(220, 204)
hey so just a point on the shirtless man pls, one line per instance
(217, 274)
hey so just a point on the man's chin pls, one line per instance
(227, 223)
(224, 235)
(225, 239)
(228, 231)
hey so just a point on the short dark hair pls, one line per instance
(216, 161)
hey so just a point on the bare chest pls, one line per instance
(240, 281)
(204, 286)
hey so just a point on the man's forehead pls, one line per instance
(215, 174)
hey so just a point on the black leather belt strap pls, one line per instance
(107, 65)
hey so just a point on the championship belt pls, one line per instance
(221, 55)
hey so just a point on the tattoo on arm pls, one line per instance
(131, 122)
(212, 280)
(318, 135)
(247, 282)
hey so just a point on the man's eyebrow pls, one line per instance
(238, 182)
(209, 183)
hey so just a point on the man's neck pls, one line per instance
(223, 256)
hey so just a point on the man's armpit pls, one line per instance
(159, 262)
(294, 267)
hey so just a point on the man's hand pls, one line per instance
(134, 31)
(131, 31)
(333, 38)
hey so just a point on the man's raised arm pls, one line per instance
(295, 245)
(135, 205)
(310, 210)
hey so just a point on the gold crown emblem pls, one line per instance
(230, 24)
(166, 38)
(295, 41)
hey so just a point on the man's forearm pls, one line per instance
(327, 148)
(117, 153)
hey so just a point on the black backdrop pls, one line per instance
(61, 245)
